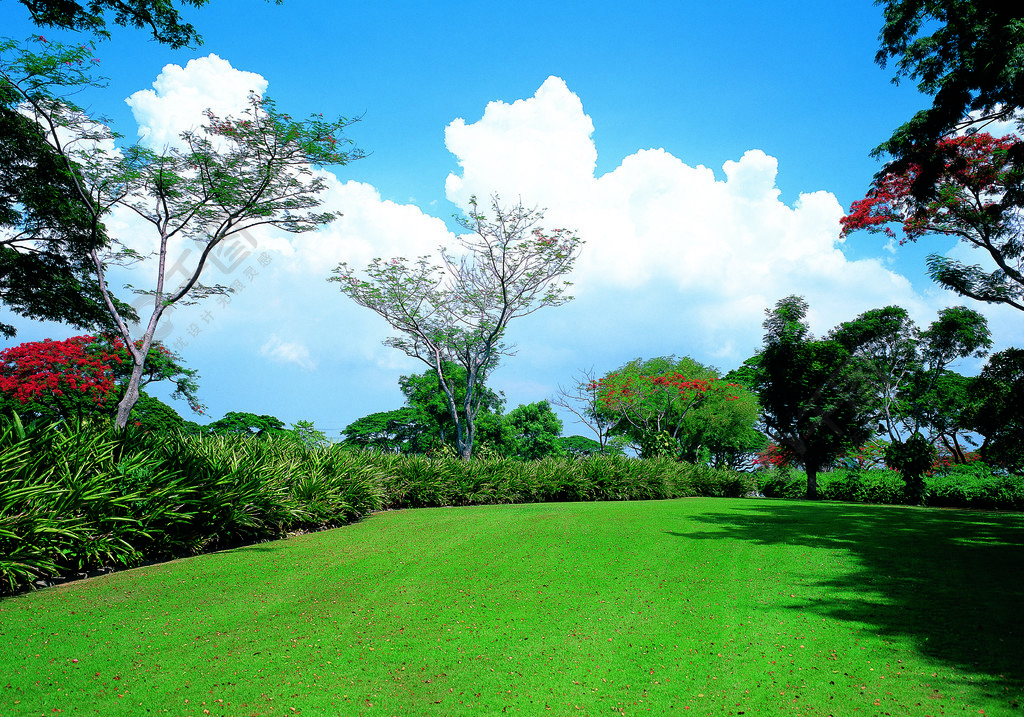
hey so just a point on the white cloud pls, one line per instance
(282, 351)
(676, 239)
(180, 95)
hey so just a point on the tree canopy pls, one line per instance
(232, 174)
(816, 396)
(966, 55)
(160, 17)
(458, 312)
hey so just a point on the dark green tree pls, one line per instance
(998, 409)
(425, 393)
(240, 423)
(583, 447)
(404, 430)
(534, 429)
(916, 391)
(46, 228)
(816, 396)
(153, 415)
(160, 17)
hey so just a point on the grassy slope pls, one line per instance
(697, 606)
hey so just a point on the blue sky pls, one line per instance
(705, 152)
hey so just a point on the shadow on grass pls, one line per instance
(951, 581)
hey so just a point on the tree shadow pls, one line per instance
(951, 581)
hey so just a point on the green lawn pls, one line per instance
(695, 606)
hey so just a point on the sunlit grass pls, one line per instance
(696, 606)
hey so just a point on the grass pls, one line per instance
(695, 606)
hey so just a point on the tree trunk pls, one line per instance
(812, 481)
(131, 393)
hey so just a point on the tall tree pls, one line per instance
(816, 398)
(915, 389)
(998, 409)
(458, 312)
(233, 174)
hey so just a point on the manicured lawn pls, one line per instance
(695, 606)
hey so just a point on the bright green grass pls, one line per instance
(696, 606)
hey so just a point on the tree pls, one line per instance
(424, 393)
(583, 447)
(57, 380)
(458, 312)
(909, 364)
(997, 413)
(241, 423)
(45, 271)
(534, 429)
(722, 428)
(47, 229)
(970, 63)
(973, 201)
(153, 415)
(389, 431)
(651, 399)
(816, 398)
(85, 376)
(232, 175)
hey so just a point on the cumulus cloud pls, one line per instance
(678, 239)
(180, 95)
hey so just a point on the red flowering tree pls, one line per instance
(650, 399)
(57, 379)
(84, 376)
(969, 202)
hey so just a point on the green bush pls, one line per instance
(782, 483)
(975, 485)
(76, 498)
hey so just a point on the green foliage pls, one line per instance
(976, 485)
(816, 396)
(534, 430)
(400, 431)
(582, 447)
(241, 423)
(997, 411)
(159, 16)
(912, 458)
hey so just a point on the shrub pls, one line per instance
(975, 485)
